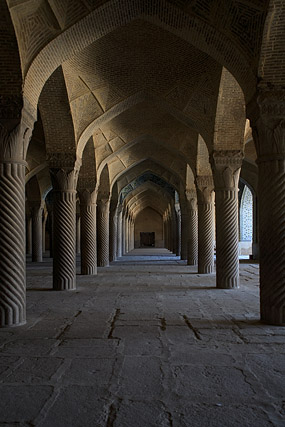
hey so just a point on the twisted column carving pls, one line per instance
(268, 125)
(103, 232)
(37, 237)
(226, 170)
(192, 247)
(113, 234)
(206, 230)
(64, 211)
(184, 230)
(78, 233)
(119, 234)
(178, 233)
(123, 233)
(44, 232)
(12, 226)
(88, 232)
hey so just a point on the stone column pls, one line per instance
(178, 232)
(206, 228)
(268, 125)
(37, 237)
(113, 233)
(192, 246)
(119, 233)
(88, 232)
(226, 170)
(12, 226)
(49, 205)
(29, 238)
(44, 231)
(184, 230)
(64, 228)
(78, 233)
(103, 206)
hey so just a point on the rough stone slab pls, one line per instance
(77, 406)
(87, 348)
(22, 403)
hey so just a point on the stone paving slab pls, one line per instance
(146, 342)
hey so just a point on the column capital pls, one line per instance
(14, 143)
(64, 179)
(266, 112)
(226, 166)
(87, 197)
(205, 188)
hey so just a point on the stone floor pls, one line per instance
(146, 342)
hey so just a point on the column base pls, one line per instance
(14, 325)
(206, 270)
(192, 261)
(64, 285)
(88, 271)
(103, 264)
(232, 283)
(273, 315)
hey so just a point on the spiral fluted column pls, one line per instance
(226, 170)
(88, 250)
(268, 126)
(78, 233)
(184, 230)
(64, 232)
(12, 226)
(192, 245)
(103, 206)
(119, 234)
(206, 229)
(37, 234)
(44, 232)
(178, 232)
(113, 234)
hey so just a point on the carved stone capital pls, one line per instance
(191, 197)
(64, 180)
(205, 188)
(87, 197)
(226, 168)
(13, 144)
(267, 117)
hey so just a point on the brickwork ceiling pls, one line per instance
(142, 81)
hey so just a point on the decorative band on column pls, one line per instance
(227, 263)
(64, 268)
(88, 239)
(12, 241)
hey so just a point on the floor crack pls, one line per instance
(113, 323)
(190, 326)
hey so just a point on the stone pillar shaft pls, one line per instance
(192, 247)
(88, 232)
(113, 235)
(103, 232)
(268, 127)
(226, 170)
(12, 242)
(119, 235)
(206, 229)
(44, 233)
(184, 232)
(64, 229)
(78, 233)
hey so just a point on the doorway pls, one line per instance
(147, 239)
